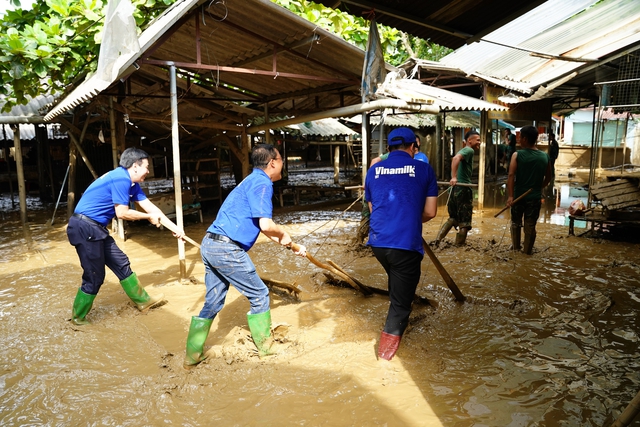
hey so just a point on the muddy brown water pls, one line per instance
(546, 340)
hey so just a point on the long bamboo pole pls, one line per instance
(22, 191)
(177, 174)
(629, 414)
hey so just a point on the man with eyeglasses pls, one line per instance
(246, 212)
(402, 194)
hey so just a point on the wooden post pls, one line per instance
(267, 133)
(177, 178)
(71, 187)
(7, 154)
(484, 120)
(22, 192)
(439, 160)
(336, 164)
(365, 145)
(246, 146)
(117, 223)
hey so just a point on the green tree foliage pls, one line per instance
(55, 43)
(396, 45)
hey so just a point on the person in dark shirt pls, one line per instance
(529, 169)
(460, 203)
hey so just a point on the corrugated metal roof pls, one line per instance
(28, 131)
(450, 23)
(324, 127)
(411, 90)
(550, 42)
(36, 107)
(95, 84)
(457, 119)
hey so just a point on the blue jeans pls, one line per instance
(226, 263)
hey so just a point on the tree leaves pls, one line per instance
(45, 48)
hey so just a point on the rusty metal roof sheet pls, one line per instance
(412, 90)
(444, 22)
(550, 42)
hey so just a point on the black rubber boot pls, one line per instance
(446, 227)
(515, 237)
(529, 238)
(461, 236)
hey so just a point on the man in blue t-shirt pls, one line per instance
(106, 198)
(402, 194)
(245, 213)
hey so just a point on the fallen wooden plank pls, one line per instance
(627, 187)
(611, 184)
(615, 192)
(621, 199)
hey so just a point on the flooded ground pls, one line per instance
(544, 340)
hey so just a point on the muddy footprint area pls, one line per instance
(543, 340)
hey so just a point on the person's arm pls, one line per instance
(375, 160)
(430, 209)
(511, 180)
(278, 234)
(151, 212)
(455, 162)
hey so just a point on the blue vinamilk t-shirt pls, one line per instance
(239, 216)
(398, 189)
(113, 188)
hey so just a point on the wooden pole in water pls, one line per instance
(336, 164)
(447, 279)
(629, 414)
(177, 174)
(22, 191)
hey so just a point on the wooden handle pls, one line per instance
(514, 202)
(459, 184)
(167, 223)
(447, 279)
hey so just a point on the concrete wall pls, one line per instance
(574, 156)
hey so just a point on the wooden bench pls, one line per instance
(597, 222)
